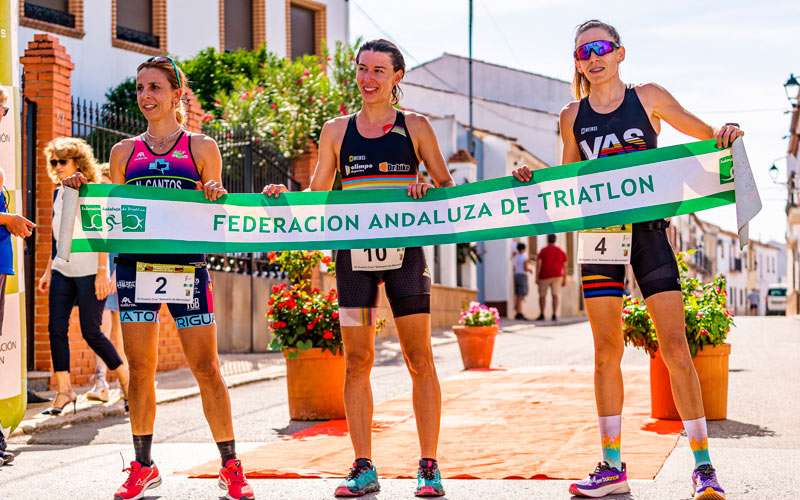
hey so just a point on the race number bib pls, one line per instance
(376, 259)
(606, 245)
(169, 283)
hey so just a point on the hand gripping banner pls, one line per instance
(609, 191)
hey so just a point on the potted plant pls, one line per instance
(475, 333)
(708, 323)
(305, 327)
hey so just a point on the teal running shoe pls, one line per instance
(429, 480)
(362, 479)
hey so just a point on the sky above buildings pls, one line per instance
(724, 61)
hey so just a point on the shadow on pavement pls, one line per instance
(732, 429)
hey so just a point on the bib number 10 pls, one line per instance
(376, 259)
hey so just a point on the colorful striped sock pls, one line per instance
(610, 433)
(697, 432)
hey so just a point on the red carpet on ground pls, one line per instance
(516, 424)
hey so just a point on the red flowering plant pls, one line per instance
(707, 317)
(303, 317)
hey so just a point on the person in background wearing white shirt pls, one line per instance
(522, 267)
(83, 280)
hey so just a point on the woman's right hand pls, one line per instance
(274, 190)
(522, 174)
(75, 180)
(44, 282)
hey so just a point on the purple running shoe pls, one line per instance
(605, 480)
(705, 484)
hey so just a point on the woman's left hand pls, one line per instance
(727, 134)
(418, 189)
(212, 190)
(102, 284)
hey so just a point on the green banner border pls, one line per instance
(575, 224)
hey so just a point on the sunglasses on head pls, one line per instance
(165, 59)
(55, 162)
(599, 47)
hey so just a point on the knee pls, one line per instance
(676, 356)
(609, 357)
(359, 363)
(141, 370)
(206, 371)
(419, 362)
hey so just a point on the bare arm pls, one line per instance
(570, 153)
(664, 106)
(429, 152)
(325, 171)
(209, 164)
(118, 159)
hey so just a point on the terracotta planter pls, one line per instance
(711, 364)
(476, 344)
(315, 381)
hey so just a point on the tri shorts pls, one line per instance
(652, 260)
(199, 313)
(408, 288)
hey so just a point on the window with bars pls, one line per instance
(50, 11)
(135, 22)
(239, 18)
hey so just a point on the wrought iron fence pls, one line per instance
(247, 165)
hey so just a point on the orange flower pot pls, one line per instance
(711, 364)
(315, 380)
(476, 344)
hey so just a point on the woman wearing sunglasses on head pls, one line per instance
(610, 118)
(382, 147)
(168, 156)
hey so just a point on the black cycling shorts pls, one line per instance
(408, 287)
(653, 263)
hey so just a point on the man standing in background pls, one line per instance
(551, 274)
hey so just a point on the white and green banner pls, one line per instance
(622, 189)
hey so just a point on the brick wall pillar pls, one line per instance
(303, 166)
(47, 71)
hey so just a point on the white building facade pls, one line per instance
(108, 39)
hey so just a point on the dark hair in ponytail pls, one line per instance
(580, 84)
(398, 63)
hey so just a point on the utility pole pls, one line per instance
(470, 141)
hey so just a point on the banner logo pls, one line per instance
(726, 170)
(133, 218)
(91, 218)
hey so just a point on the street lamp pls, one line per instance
(792, 86)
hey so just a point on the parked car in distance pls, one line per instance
(776, 299)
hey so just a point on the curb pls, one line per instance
(117, 409)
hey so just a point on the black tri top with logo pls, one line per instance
(388, 161)
(624, 130)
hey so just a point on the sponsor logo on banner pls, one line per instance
(131, 218)
(91, 218)
(726, 170)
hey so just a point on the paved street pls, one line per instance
(757, 451)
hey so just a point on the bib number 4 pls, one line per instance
(605, 245)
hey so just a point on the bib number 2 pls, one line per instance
(157, 283)
(376, 259)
